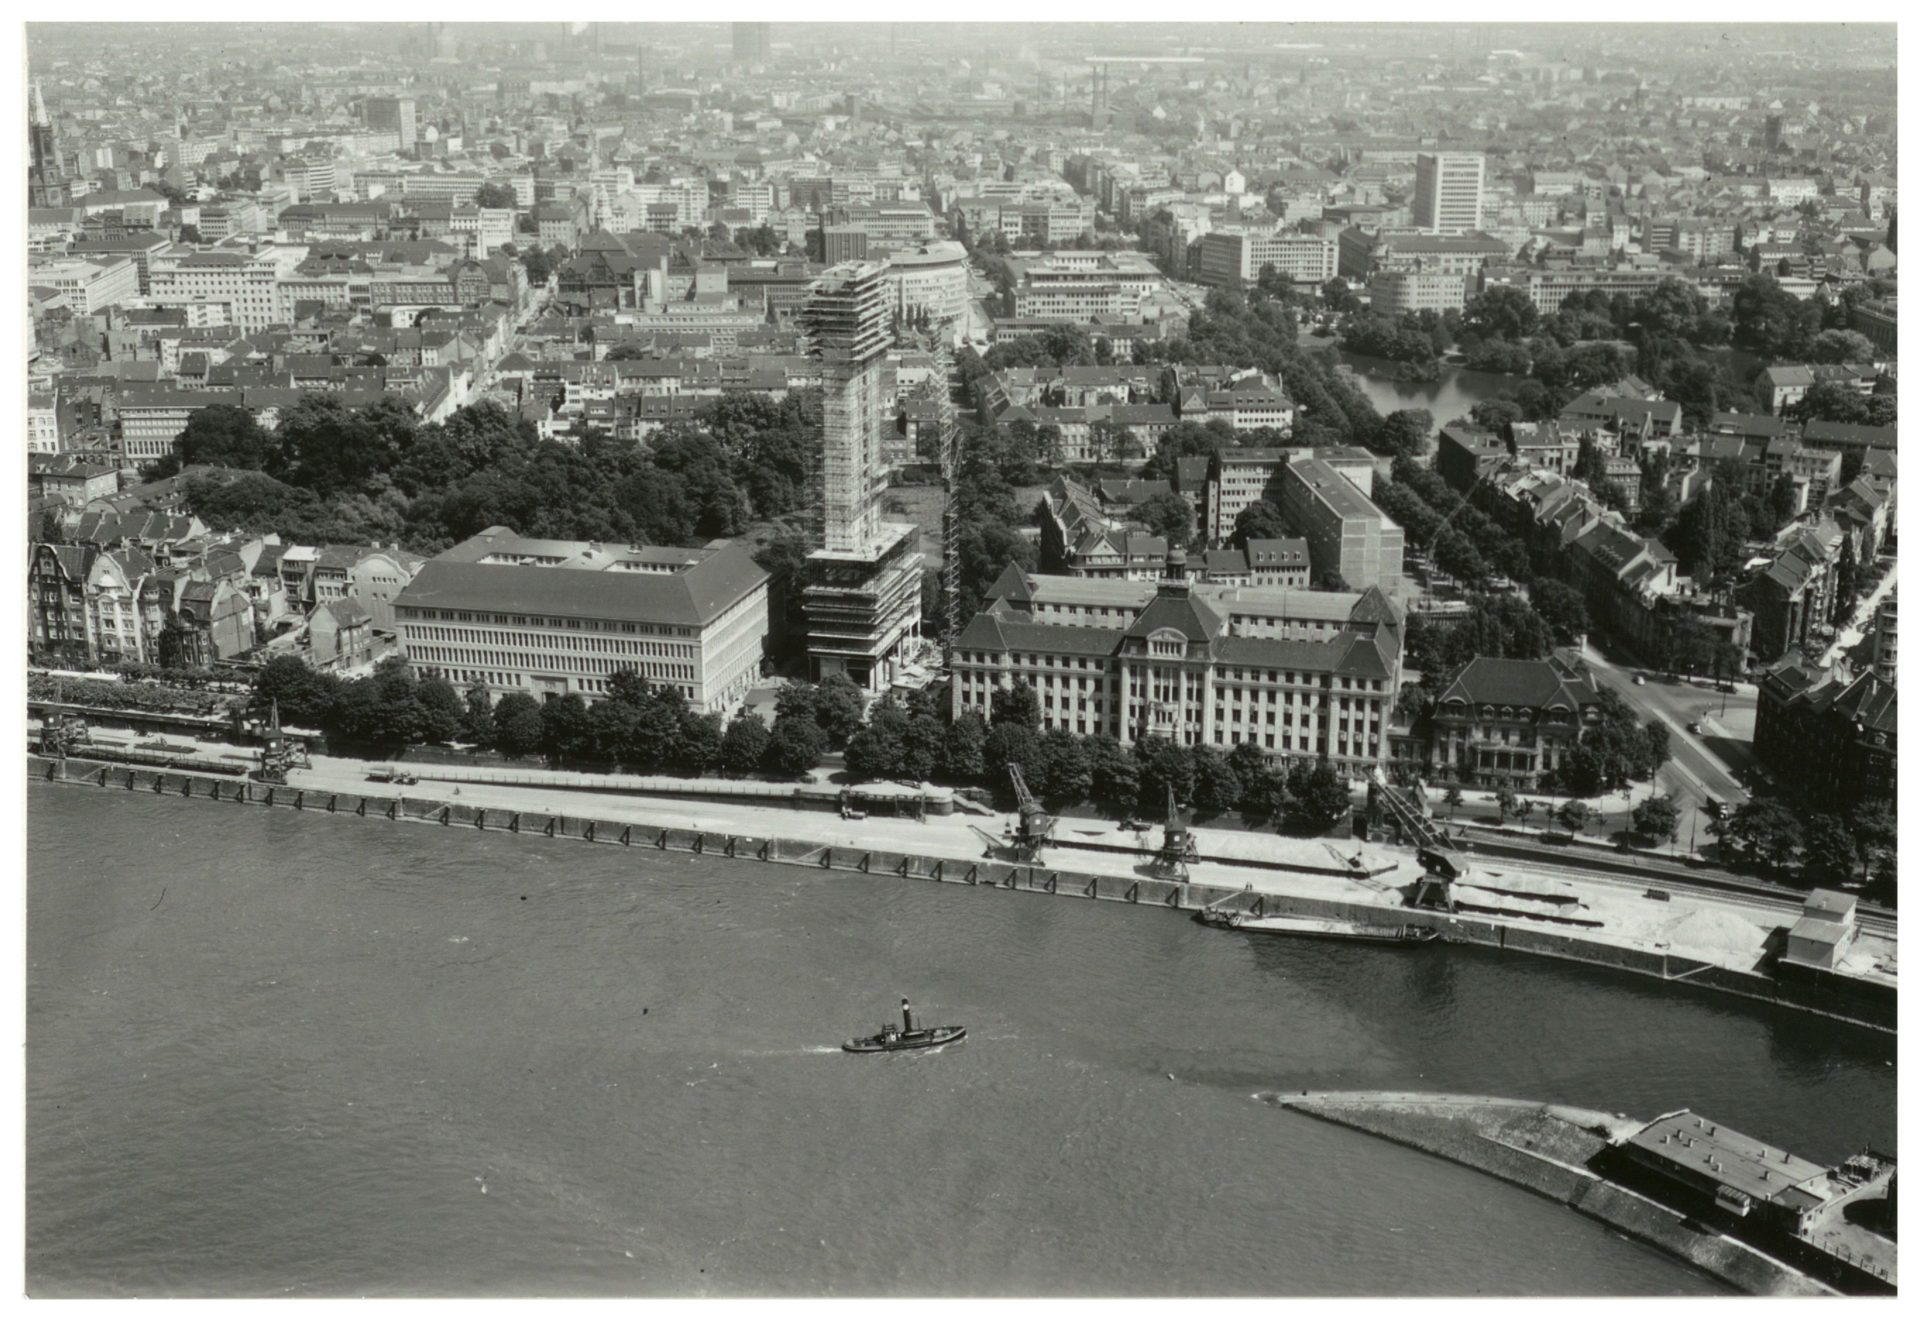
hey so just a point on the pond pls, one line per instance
(1452, 396)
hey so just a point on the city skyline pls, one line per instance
(1348, 493)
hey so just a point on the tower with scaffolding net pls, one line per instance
(862, 595)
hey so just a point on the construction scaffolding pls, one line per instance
(949, 442)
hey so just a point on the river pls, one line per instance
(283, 1054)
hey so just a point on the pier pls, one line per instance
(1595, 1162)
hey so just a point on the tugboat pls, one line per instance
(905, 1037)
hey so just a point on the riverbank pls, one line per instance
(1549, 1150)
(1702, 942)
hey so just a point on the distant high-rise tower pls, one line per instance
(752, 42)
(862, 598)
(1447, 191)
(1102, 104)
(393, 114)
(46, 182)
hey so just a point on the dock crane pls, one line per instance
(1031, 830)
(1440, 858)
(1177, 846)
(1035, 828)
(62, 730)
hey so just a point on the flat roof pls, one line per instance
(1707, 1150)
(596, 583)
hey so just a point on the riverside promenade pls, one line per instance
(1708, 941)
(1729, 932)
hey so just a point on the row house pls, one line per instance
(314, 575)
(1785, 384)
(1266, 562)
(1792, 596)
(67, 479)
(1079, 538)
(1624, 577)
(1633, 420)
(1835, 738)
(92, 606)
(88, 606)
(1543, 445)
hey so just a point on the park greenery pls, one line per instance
(1706, 359)
(332, 472)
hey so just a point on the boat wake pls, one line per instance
(795, 1051)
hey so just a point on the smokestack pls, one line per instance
(906, 1015)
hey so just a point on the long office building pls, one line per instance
(1449, 190)
(862, 599)
(1345, 531)
(1299, 675)
(395, 115)
(519, 614)
(1226, 256)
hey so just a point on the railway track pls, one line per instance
(1874, 919)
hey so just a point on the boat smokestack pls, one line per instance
(906, 1015)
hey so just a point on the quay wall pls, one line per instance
(1457, 1136)
(1116, 886)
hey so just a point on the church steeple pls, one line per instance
(45, 182)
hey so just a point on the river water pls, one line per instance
(272, 1053)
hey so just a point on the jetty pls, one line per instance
(1747, 1213)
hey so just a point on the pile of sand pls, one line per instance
(1712, 930)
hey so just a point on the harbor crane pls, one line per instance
(1032, 828)
(1177, 845)
(1440, 858)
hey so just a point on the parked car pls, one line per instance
(1693, 727)
(1641, 680)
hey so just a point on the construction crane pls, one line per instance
(1440, 858)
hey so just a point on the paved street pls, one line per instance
(1856, 629)
(1708, 765)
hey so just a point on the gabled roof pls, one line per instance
(1871, 703)
(1179, 610)
(1277, 553)
(1374, 608)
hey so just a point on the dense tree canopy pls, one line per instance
(334, 472)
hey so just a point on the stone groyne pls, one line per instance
(1544, 1149)
(1120, 884)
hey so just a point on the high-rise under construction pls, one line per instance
(862, 598)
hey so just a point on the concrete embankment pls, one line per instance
(946, 850)
(1545, 1149)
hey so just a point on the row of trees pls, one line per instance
(915, 742)
(636, 727)
(1819, 848)
(645, 728)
